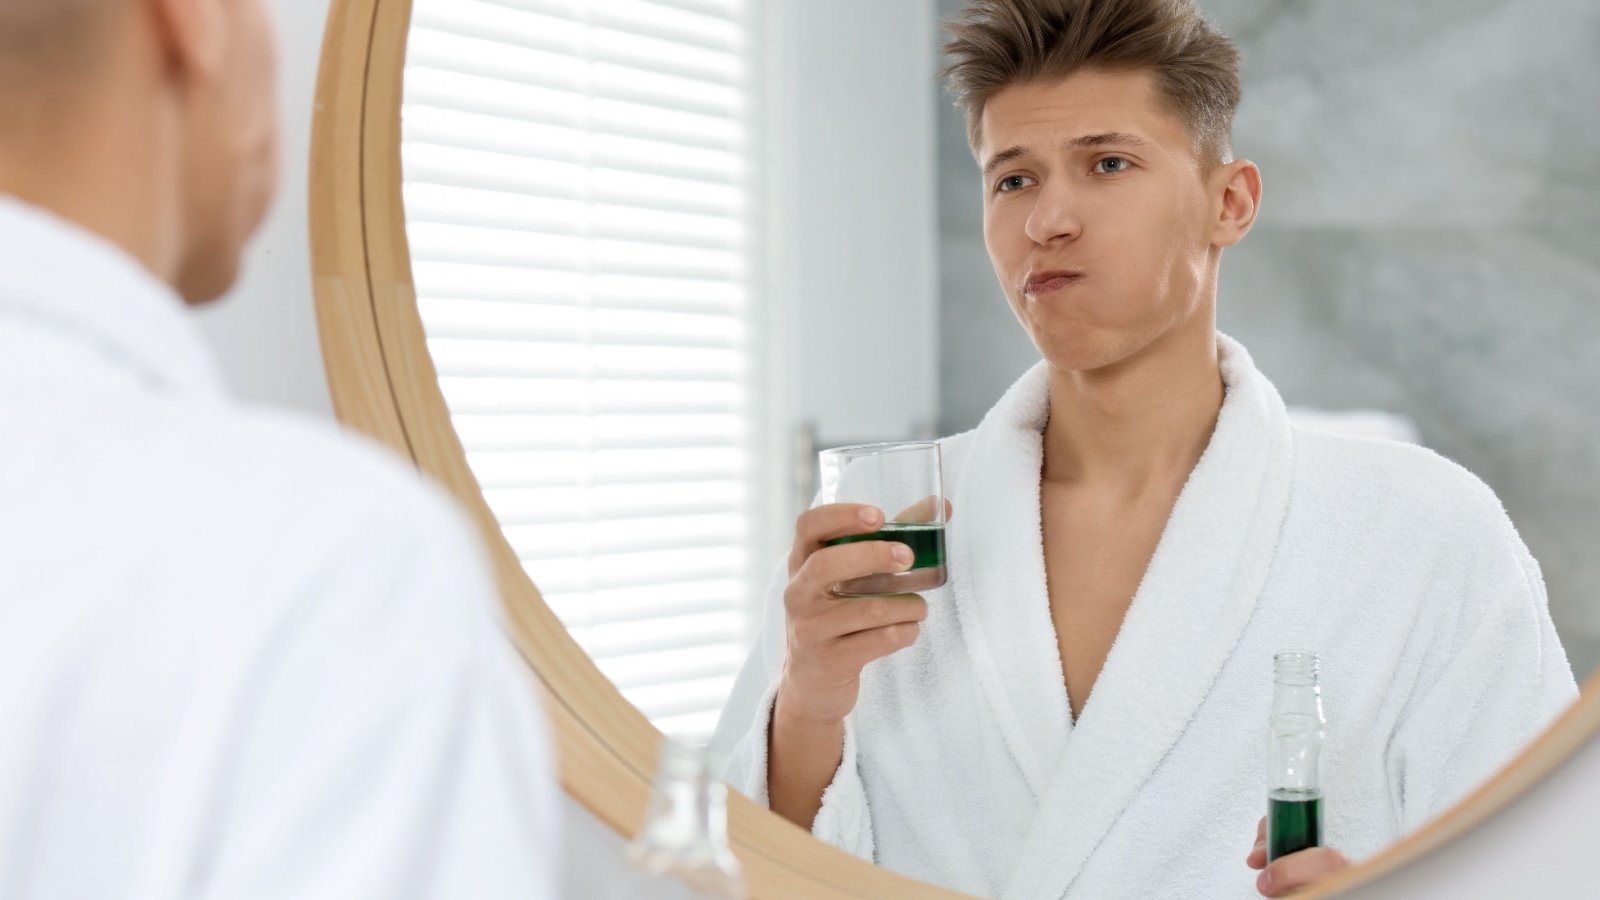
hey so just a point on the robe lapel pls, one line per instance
(1188, 614)
(997, 580)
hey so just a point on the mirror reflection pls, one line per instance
(1258, 340)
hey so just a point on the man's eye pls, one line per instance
(1112, 164)
(1012, 183)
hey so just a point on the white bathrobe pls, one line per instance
(242, 655)
(962, 765)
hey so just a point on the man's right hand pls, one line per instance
(831, 639)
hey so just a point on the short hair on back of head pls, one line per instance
(46, 40)
(999, 43)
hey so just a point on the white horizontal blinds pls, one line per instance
(575, 194)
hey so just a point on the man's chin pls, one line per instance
(209, 280)
(1080, 347)
(1085, 349)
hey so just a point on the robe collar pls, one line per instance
(1187, 616)
(64, 278)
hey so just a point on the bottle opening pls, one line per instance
(1296, 667)
(684, 759)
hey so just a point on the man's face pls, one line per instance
(1090, 177)
(230, 143)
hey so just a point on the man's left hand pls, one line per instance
(1292, 872)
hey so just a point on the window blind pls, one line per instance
(577, 204)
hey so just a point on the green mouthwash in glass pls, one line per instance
(927, 567)
(926, 541)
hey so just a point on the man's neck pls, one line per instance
(97, 159)
(1140, 425)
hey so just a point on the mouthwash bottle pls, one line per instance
(1294, 790)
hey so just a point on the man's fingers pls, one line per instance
(856, 650)
(831, 565)
(1297, 870)
(847, 617)
(922, 511)
(1258, 854)
(853, 615)
(866, 613)
(824, 523)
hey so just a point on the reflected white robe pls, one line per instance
(962, 766)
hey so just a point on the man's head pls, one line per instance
(152, 121)
(1102, 128)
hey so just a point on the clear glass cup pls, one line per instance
(904, 480)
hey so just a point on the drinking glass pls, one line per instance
(903, 479)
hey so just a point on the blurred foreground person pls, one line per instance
(241, 654)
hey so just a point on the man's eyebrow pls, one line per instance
(1102, 139)
(1109, 138)
(1003, 157)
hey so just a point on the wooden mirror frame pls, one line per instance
(383, 383)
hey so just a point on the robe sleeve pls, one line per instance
(742, 739)
(1495, 677)
(387, 743)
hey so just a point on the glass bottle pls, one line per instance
(685, 833)
(1294, 789)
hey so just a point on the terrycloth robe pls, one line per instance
(962, 765)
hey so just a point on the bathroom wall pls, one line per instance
(1429, 244)
(853, 235)
(265, 331)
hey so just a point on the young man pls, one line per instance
(241, 655)
(1137, 530)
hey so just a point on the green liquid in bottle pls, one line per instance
(1294, 821)
(926, 541)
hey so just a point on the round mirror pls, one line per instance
(620, 270)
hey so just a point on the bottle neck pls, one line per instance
(1298, 730)
(689, 809)
(1297, 727)
(1296, 680)
(1297, 698)
(685, 835)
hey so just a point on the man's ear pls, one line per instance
(192, 34)
(1237, 187)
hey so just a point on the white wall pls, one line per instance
(854, 254)
(265, 331)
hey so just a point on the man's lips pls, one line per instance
(1046, 282)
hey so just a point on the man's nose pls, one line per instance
(1054, 217)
